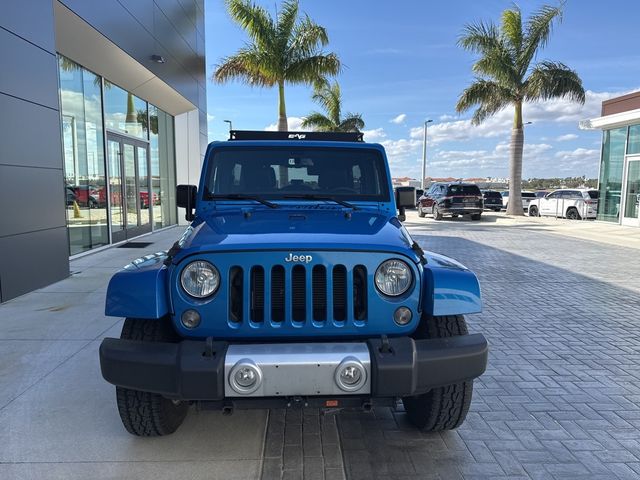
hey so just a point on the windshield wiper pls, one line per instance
(239, 196)
(311, 196)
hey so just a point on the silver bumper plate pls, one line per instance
(288, 369)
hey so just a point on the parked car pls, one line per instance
(454, 199)
(574, 204)
(85, 195)
(492, 200)
(526, 198)
(310, 293)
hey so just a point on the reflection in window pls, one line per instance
(634, 140)
(124, 112)
(163, 167)
(84, 171)
(611, 165)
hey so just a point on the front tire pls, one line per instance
(148, 414)
(442, 408)
(421, 214)
(436, 213)
(533, 212)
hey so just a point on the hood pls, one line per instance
(287, 229)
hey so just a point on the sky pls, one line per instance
(401, 66)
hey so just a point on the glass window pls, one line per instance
(463, 190)
(83, 147)
(634, 140)
(274, 173)
(163, 167)
(124, 112)
(611, 164)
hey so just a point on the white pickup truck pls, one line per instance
(574, 204)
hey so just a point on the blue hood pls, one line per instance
(294, 228)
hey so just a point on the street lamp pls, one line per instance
(230, 125)
(424, 152)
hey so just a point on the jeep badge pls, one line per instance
(298, 258)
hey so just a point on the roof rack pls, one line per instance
(318, 136)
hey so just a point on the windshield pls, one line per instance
(492, 195)
(278, 173)
(528, 195)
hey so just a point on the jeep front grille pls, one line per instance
(299, 293)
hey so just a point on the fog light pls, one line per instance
(402, 316)
(245, 377)
(190, 319)
(350, 375)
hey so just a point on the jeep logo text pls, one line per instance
(298, 258)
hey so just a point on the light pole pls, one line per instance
(424, 153)
(230, 125)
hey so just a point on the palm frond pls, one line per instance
(554, 80)
(313, 68)
(248, 65)
(255, 20)
(538, 30)
(308, 37)
(330, 99)
(512, 28)
(490, 97)
(351, 123)
(286, 22)
(318, 122)
(480, 37)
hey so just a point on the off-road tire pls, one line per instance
(436, 213)
(442, 408)
(142, 413)
(421, 214)
(572, 214)
(533, 212)
(476, 216)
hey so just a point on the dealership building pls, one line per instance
(102, 113)
(619, 178)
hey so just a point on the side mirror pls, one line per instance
(186, 198)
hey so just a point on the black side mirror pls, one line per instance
(186, 198)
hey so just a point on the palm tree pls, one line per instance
(281, 51)
(506, 76)
(330, 99)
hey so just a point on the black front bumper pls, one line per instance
(194, 370)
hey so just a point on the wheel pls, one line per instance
(436, 213)
(421, 214)
(533, 212)
(497, 209)
(476, 216)
(572, 214)
(142, 413)
(442, 408)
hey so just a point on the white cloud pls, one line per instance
(556, 111)
(210, 117)
(444, 118)
(566, 138)
(374, 135)
(399, 119)
(295, 125)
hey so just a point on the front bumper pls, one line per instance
(195, 370)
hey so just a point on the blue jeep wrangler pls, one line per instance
(295, 285)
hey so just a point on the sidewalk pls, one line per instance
(59, 417)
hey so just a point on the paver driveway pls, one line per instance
(561, 397)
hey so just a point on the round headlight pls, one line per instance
(393, 277)
(200, 279)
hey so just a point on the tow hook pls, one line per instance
(384, 345)
(297, 402)
(227, 410)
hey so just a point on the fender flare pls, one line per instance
(139, 289)
(449, 288)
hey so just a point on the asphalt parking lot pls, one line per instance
(560, 399)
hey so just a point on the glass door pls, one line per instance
(128, 187)
(630, 208)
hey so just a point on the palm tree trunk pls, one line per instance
(515, 164)
(283, 125)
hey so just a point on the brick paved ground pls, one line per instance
(561, 396)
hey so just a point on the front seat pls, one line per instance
(261, 179)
